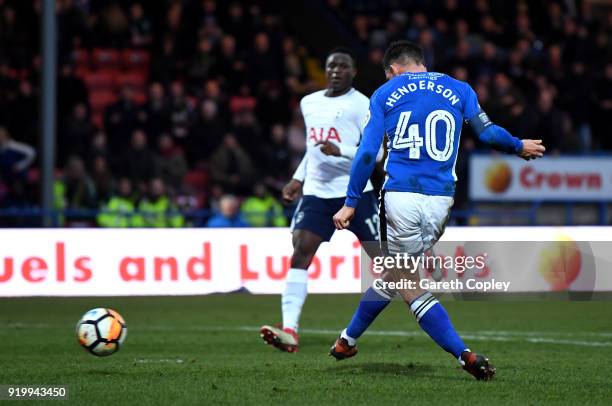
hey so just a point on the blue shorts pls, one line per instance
(315, 214)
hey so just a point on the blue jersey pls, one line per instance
(422, 115)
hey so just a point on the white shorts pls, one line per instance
(412, 222)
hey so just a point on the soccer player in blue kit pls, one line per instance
(422, 114)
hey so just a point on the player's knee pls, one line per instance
(303, 252)
(302, 255)
(301, 259)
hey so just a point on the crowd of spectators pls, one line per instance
(541, 68)
(218, 116)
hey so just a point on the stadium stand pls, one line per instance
(219, 83)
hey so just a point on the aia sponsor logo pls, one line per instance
(323, 134)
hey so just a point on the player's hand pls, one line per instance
(329, 148)
(532, 149)
(343, 218)
(291, 190)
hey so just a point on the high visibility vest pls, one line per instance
(263, 212)
(118, 212)
(158, 213)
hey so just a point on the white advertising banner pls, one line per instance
(551, 178)
(106, 262)
(111, 262)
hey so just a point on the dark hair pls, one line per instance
(343, 50)
(402, 52)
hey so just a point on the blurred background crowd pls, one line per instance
(185, 112)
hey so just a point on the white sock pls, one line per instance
(350, 340)
(459, 358)
(294, 296)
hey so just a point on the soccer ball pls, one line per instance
(101, 331)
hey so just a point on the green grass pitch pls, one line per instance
(207, 350)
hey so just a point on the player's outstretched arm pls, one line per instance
(365, 158)
(363, 164)
(500, 139)
(497, 137)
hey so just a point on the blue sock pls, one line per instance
(370, 306)
(434, 320)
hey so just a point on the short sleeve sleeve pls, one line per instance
(364, 108)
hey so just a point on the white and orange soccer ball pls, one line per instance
(101, 331)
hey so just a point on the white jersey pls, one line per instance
(339, 120)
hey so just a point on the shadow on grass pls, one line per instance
(103, 372)
(96, 372)
(384, 368)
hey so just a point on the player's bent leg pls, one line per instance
(305, 245)
(408, 229)
(372, 303)
(435, 321)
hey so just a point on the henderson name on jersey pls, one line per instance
(423, 113)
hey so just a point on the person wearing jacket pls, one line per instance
(156, 209)
(120, 210)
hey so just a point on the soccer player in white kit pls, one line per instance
(334, 119)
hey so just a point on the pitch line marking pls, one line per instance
(467, 335)
(477, 336)
(161, 360)
(534, 337)
(536, 334)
